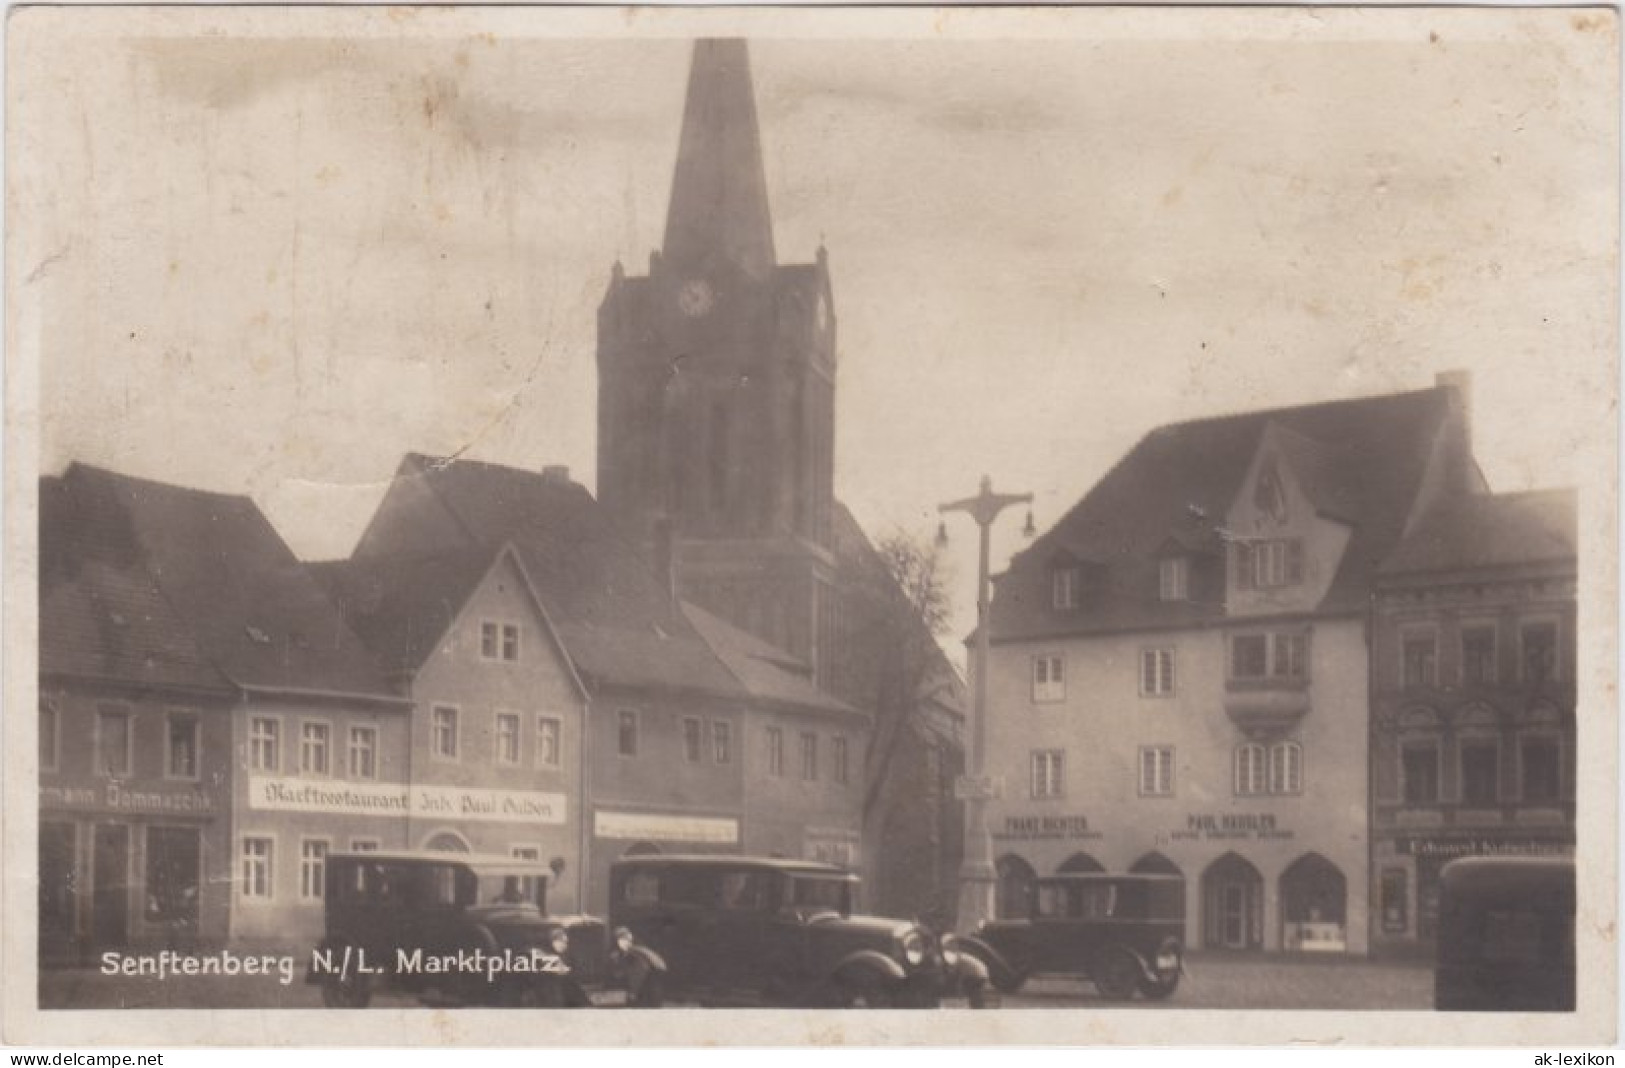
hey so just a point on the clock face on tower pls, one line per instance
(695, 298)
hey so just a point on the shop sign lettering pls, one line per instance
(1032, 828)
(270, 794)
(1481, 847)
(122, 797)
(1240, 826)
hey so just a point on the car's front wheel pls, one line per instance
(862, 990)
(1119, 975)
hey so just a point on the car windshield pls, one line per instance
(512, 887)
(817, 894)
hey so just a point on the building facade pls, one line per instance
(1473, 710)
(1179, 675)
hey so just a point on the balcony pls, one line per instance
(1266, 706)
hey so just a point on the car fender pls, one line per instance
(1146, 970)
(870, 960)
(970, 968)
(985, 954)
(647, 955)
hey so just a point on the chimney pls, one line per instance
(1459, 383)
(556, 475)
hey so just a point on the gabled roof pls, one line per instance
(762, 669)
(1501, 530)
(618, 624)
(215, 591)
(1369, 454)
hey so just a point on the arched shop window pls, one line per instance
(447, 842)
(1232, 904)
(1079, 862)
(1314, 902)
(1155, 863)
(1014, 890)
(641, 849)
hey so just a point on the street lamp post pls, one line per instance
(976, 874)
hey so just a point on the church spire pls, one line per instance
(719, 211)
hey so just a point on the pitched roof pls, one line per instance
(1366, 457)
(760, 667)
(214, 589)
(618, 624)
(1490, 530)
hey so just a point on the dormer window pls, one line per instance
(1174, 579)
(1269, 564)
(1064, 582)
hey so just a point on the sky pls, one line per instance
(269, 251)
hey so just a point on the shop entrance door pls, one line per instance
(58, 890)
(173, 855)
(1232, 904)
(110, 923)
(1233, 915)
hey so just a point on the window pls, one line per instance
(1049, 678)
(1048, 773)
(775, 751)
(1156, 672)
(258, 856)
(312, 868)
(112, 741)
(364, 752)
(809, 756)
(499, 641)
(1173, 579)
(1157, 771)
(693, 740)
(1419, 772)
(1419, 654)
(444, 736)
(838, 759)
(314, 751)
(722, 741)
(1269, 564)
(1539, 645)
(181, 755)
(1480, 771)
(626, 733)
(1540, 768)
(507, 738)
(1064, 588)
(48, 735)
(364, 845)
(1478, 655)
(1262, 657)
(1286, 768)
(265, 744)
(1250, 769)
(547, 741)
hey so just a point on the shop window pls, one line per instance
(548, 729)
(312, 868)
(315, 750)
(626, 733)
(722, 741)
(693, 740)
(1049, 678)
(775, 751)
(1395, 901)
(444, 737)
(265, 744)
(507, 738)
(1314, 896)
(364, 752)
(258, 856)
(1480, 771)
(1538, 642)
(1540, 768)
(1156, 672)
(1173, 579)
(1013, 893)
(173, 875)
(1419, 651)
(1478, 655)
(1419, 772)
(1048, 773)
(1156, 771)
(113, 756)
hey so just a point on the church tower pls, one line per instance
(716, 384)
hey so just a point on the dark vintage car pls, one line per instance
(732, 930)
(1505, 935)
(451, 928)
(1122, 932)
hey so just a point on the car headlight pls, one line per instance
(914, 948)
(623, 940)
(950, 950)
(560, 941)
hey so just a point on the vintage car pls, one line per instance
(735, 930)
(451, 928)
(1505, 935)
(1122, 932)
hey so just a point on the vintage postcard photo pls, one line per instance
(1086, 525)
